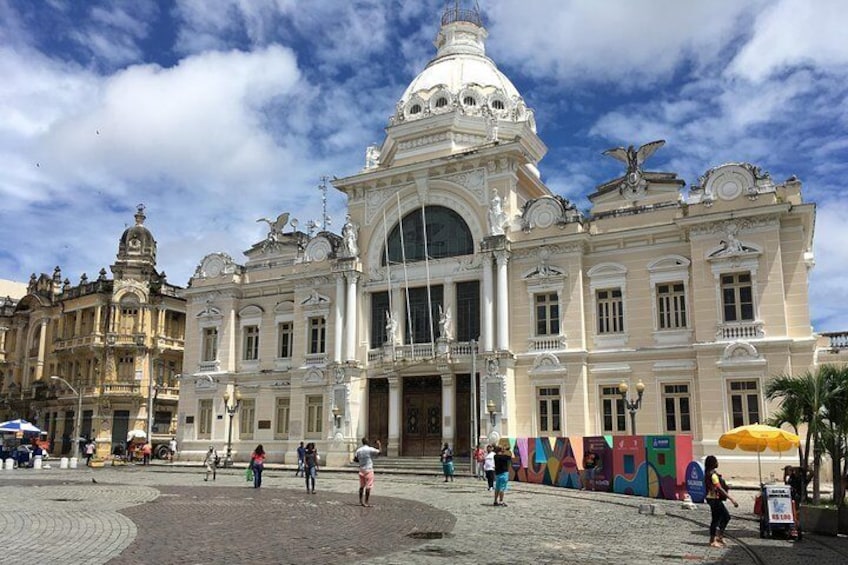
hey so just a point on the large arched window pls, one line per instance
(447, 236)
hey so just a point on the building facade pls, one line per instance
(464, 300)
(118, 343)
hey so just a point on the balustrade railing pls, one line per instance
(838, 340)
(546, 343)
(740, 330)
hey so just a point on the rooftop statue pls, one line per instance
(275, 231)
(634, 182)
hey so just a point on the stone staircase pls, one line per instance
(418, 465)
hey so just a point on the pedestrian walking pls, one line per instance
(364, 456)
(310, 466)
(90, 448)
(716, 495)
(447, 462)
(478, 456)
(489, 466)
(172, 449)
(146, 453)
(503, 461)
(301, 453)
(257, 464)
(211, 463)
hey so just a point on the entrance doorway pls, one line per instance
(120, 427)
(422, 416)
(378, 412)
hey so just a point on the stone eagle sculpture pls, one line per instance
(633, 183)
(276, 227)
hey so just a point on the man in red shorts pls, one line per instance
(365, 457)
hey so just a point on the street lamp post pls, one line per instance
(231, 410)
(78, 419)
(632, 405)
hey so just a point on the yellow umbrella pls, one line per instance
(759, 437)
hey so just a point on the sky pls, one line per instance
(213, 113)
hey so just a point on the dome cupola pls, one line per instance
(137, 243)
(461, 78)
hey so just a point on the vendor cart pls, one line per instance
(778, 513)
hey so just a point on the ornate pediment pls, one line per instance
(546, 363)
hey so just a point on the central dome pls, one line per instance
(461, 77)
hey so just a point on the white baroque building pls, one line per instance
(466, 300)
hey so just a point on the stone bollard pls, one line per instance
(37, 462)
(63, 463)
(74, 462)
(10, 464)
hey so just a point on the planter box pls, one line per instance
(820, 520)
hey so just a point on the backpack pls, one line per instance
(709, 484)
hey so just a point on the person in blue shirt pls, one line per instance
(301, 454)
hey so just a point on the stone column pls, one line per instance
(339, 320)
(98, 324)
(393, 447)
(350, 321)
(448, 409)
(488, 298)
(503, 301)
(42, 349)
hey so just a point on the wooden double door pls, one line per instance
(421, 423)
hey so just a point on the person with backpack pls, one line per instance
(301, 453)
(310, 466)
(257, 464)
(717, 493)
(447, 462)
(211, 462)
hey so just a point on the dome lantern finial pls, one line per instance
(139, 215)
(459, 14)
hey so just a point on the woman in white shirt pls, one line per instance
(489, 466)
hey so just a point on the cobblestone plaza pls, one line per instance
(165, 514)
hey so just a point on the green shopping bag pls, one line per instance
(248, 474)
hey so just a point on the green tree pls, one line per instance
(802, 402)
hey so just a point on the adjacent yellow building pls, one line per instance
(465, 301)
(100, 358)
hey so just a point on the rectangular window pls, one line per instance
(548, 400)
(285, 336)
(210, 344)
(204, 419)
(379, 311)
(671, 306)
(612, 410)
(744, 402)
(251, 343)
(314, 416)
(610, 311)
(424, 320)
(467, 311)
(161, 422)
(678, 417)
(129, 319)
(317, 335)
(247, 416)
(281, 430)
(547, 314)
(737, 297)
(126, 368)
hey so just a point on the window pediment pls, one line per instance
(251, 311)
(547, 363)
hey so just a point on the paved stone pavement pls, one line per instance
(165, 514)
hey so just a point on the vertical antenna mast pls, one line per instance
(325, 219)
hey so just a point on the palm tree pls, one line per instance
(801, 403)
(834, 426)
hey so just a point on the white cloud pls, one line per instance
(794, 33)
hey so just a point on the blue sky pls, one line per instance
(214, 113)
